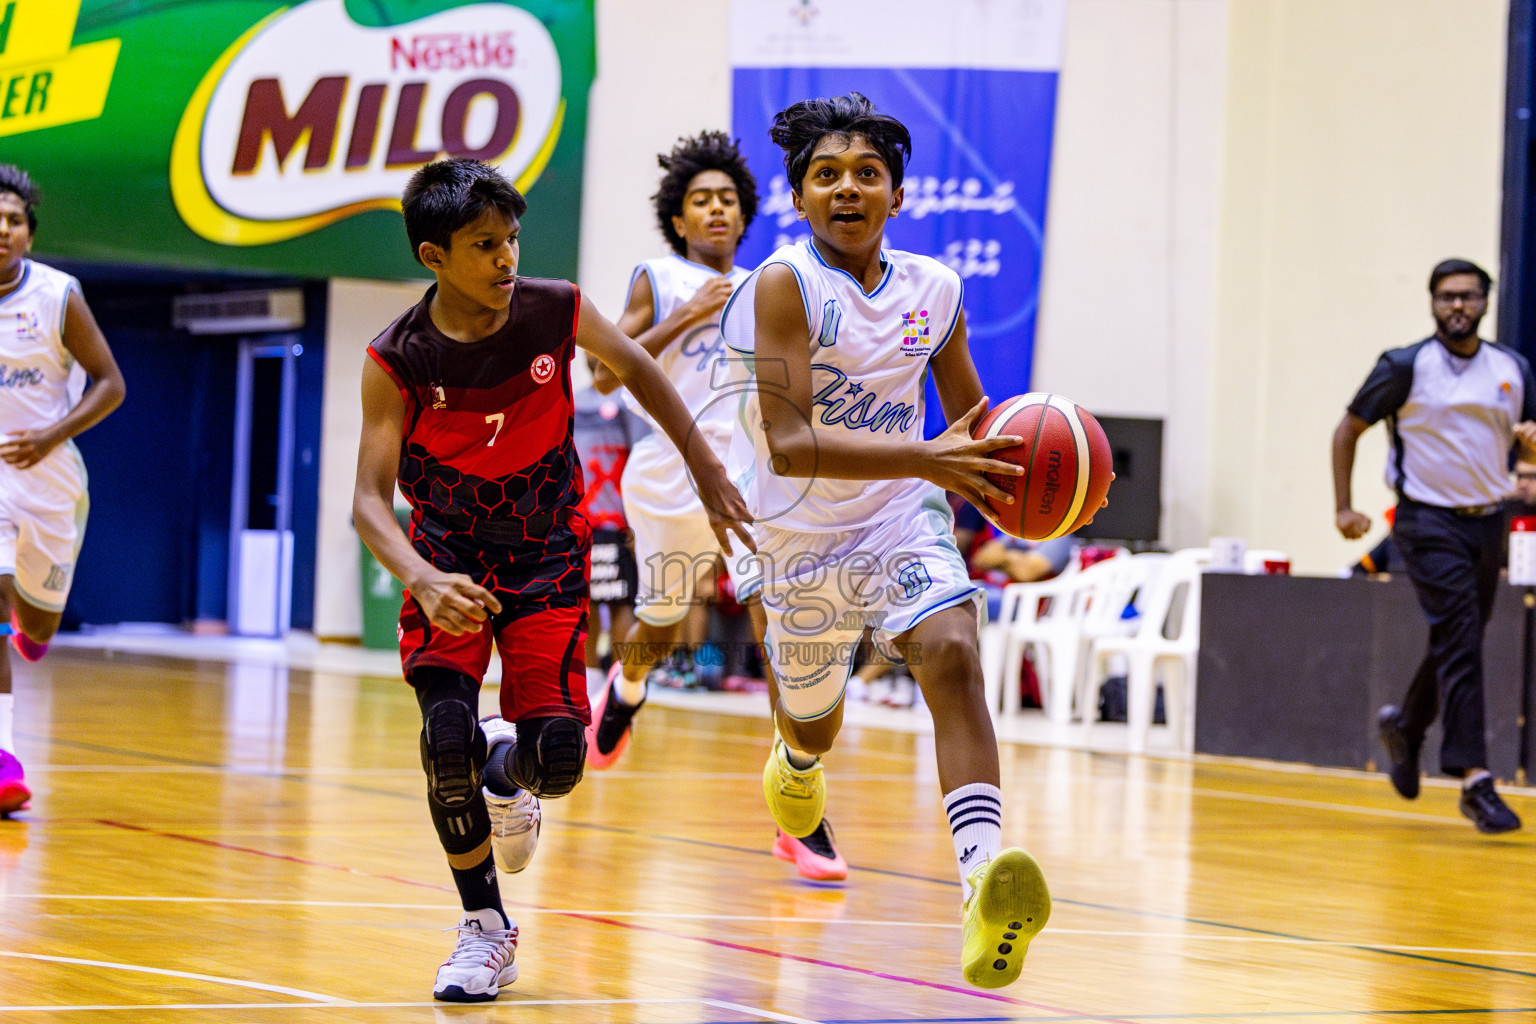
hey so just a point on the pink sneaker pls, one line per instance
(815, 856)
(29, 649)
(608, 734)
(14, 793)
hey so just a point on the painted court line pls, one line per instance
(771, 919)
(834, 965)
(753, 1011)
(141, 1007)
(973, 993)
(1155, 915)
(138, 969)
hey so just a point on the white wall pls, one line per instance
(663, 71)
(1128, 284)
(1364, 145)
(356, 312)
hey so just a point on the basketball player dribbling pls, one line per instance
(49, 337)
(851, 521)
(467, 406)
(704, 205)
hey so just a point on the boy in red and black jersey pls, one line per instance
(467, 407)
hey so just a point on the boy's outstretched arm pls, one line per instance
(452, 601)
(953, 460)
(639, 373)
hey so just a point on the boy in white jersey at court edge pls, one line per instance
(852, 526)
(47, 337)
(706, 201)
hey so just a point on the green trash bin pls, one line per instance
(382, 594)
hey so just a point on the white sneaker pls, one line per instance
(514, 829)
(497, 730)
(514, 819)
(481, 963)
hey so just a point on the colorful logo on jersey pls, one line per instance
(27, 326)
(439, 397)
(914, 332)
(309, 117)
(543, 369)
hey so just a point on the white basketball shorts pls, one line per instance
(820, 590)
(674, 545)
(42, 522)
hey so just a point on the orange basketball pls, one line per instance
(1066, 459)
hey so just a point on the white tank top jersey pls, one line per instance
(869, 362)
(39, 379)
(691, 362)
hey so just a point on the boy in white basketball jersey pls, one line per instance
(46, 331)
(704, 205)
(852, 526)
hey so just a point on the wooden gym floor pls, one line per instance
(245, 842)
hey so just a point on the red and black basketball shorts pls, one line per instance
(540, 632)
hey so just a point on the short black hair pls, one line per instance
(17, 181)
(444, 196)
(1445, 268)
(706, 151)
(798, 128)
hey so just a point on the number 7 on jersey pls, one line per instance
(497, 418)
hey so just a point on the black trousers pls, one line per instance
(1454, 563)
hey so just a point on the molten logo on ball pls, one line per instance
(1052, 483)
(1066, 460)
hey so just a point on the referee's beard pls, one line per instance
(1458, 326)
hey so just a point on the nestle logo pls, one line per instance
(1052, 482)
(451, 51)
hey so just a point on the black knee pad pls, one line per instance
(551, 755)
(452, 753)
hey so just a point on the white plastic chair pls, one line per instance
(1044, 617)
(1105, 618)
(1166, 638)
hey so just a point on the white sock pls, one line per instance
(1475, 778)
(629, 692)
(976, 820)
(7, 705)
(799, 759)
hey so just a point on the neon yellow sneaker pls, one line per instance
(796, 798)
(1009, 905)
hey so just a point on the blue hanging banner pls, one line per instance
(976, 86)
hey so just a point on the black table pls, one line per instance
(1294, 668)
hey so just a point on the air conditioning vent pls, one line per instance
(279, 309)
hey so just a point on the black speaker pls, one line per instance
(1136, 497)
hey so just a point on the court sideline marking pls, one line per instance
(620, 924)
(165, 972)
(769, 919)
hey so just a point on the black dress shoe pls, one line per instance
(1403, 752)
(1489, 813)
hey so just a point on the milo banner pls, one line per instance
(975, 83)
(248, 135)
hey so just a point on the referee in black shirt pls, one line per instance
(1455, 407)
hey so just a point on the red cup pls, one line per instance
(1092, 553)
(1277, 566)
